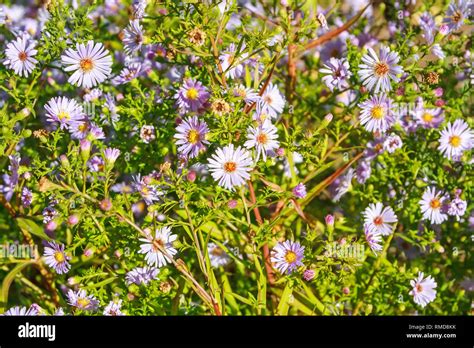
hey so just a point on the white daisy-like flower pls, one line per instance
(378, 218)
(263, 138)
(91, 64)
(271, 102)
(423, 289)
(432, 206)
(133, 37)
(376, 73)
(230, 167)
(217, 255)
(163, 240)
(287, 256)
(64, 111)
(247, 94)
(376, 113)
(455, 139)
(113, 308)
(19, 56)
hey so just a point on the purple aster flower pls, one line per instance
(374, 239)
(287, 256)
(233, 66)
(26, 197)
(392, 143)
(48, 214)
(111, 154)
(92, 95)
(11, 181)
(456, 138)
(138, 7)
(56, 258)
(21, 311)
(457, 207)
(375, 73)
(79, 129)
(192, 96)
(82, 301)
(96, 164)
(300, 190)
(191, 136)
(140, 275)
(342, 185)
(149, 193)
(113, 308)
(133, 37)
(336, 74)
(376, 114)
(428, 26)
(363, 171)
(429, 118)
(96, 132)
(333, 49)
(437, 51)
(458, 12)
(130, 72)
(64, 111)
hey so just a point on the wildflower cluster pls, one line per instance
(198, 157)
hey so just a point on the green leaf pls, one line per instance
(31, 227)
(8, 281)
(284, 304)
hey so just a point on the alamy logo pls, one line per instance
(37, 331)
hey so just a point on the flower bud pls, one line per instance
(72, 220)
(85, 146)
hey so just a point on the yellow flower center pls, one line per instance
(193, 136)
(83, 302)
(377, 112)
(435, 203)
(64, 115)
(419, 288)
(59, 256)
(241, 92)
(262, 138)
(230, 167)
(427, 117)
(192, 93)
(86, 64)
(290, 256)
(455, 140)
(381, 69)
